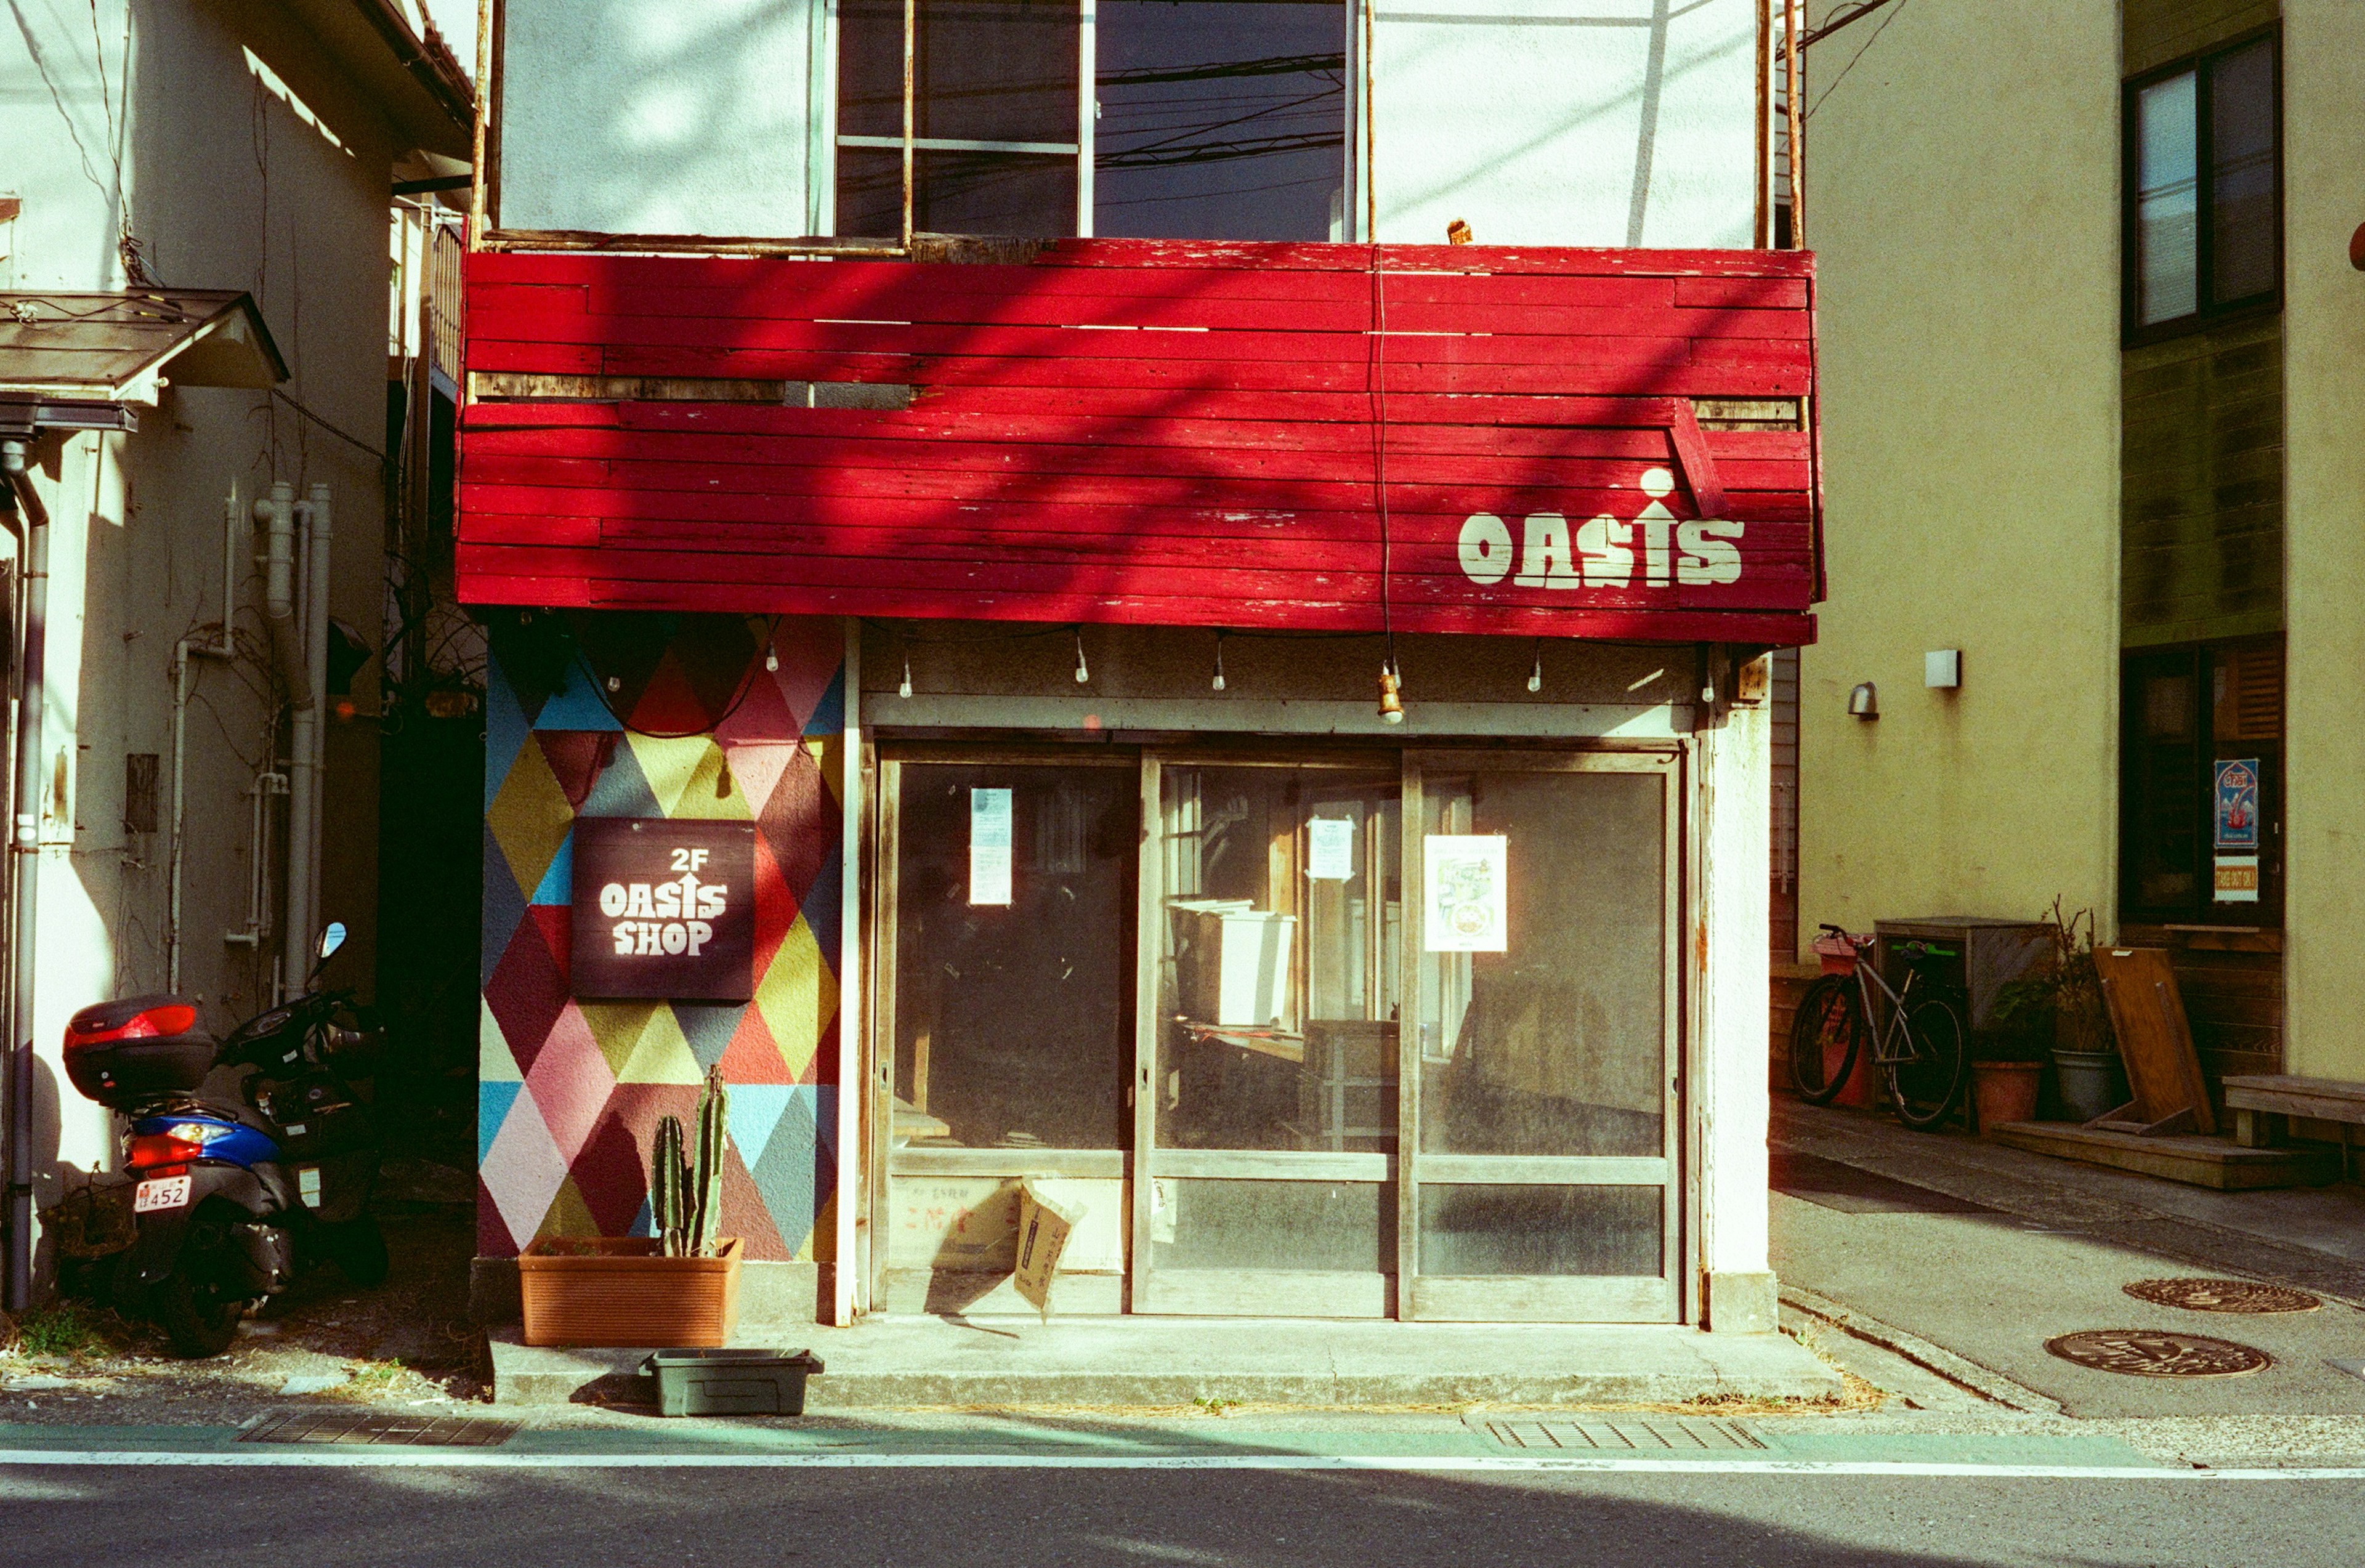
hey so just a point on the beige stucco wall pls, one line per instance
(2324, 192)
(1963, 197)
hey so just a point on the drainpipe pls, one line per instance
(316, 533)
(221, 647)
(34, 559)
(277, 513)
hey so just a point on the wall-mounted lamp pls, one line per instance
(1941, 669)
(1864, 702)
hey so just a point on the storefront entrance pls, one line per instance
(1274, 1055)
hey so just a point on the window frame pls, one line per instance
(2208, 310)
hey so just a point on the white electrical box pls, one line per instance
(1943, 667)
(1231, 962)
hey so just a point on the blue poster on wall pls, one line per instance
(2238, 804)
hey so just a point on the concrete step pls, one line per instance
(2201, 1162)
(914, 1362)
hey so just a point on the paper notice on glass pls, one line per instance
(989, 846)
(1467, 875)
(2237, 878)
(1330, 849)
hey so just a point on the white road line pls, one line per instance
(294, 1456)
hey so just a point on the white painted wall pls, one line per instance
(1729, 1092)
(229, 185)
(1566, 122)
(689, 117)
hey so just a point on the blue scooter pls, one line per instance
(232, 1201)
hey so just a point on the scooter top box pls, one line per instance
(125, 1054)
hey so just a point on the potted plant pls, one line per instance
(2063, 998)
(677, 1289)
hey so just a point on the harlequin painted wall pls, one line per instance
(609, 715)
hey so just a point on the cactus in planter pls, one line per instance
(668, 1189)
(706, 1192)
(686, 1198)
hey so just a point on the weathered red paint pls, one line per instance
(1322, 436)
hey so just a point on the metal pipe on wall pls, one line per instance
(188, 648)
(317, 537)
(277, 513)
(25, 901)
(1794, 87)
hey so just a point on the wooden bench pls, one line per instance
(2263, 1104)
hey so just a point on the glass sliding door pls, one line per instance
(1541, 1068)
(1272, 902)
(1004, 896)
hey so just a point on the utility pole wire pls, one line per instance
(1863, 10)
(1859, 54)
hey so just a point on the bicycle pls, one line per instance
(1920, 1053)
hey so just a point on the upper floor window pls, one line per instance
(1215, 119)
(2203, 189)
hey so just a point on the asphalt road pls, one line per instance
(1034, 1518)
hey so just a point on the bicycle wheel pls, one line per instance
(1826, 1034)
(1927, 1079)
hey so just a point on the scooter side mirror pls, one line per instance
(331, 939)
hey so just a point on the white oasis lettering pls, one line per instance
(663, 919)
(1602, 551)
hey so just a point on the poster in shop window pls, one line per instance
(989, 846)
(664, 909)
(2236, 798)
(1468, 877)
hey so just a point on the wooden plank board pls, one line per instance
(2155, 1040)
(1188, 432)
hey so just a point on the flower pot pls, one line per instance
(1864, 1088)
(2093, 1083)
(2005, 1092)
(622, 1291)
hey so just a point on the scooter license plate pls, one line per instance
(165, 1193)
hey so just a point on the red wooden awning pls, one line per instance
(1435, 439)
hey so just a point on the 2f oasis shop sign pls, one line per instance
(664, 909)
(1657, 549)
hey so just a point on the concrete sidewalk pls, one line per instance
(908, 1362)
(1911, 1240)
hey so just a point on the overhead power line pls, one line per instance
(1854, 13)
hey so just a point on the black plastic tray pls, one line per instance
(731, 1383)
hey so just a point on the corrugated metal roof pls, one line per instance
(105, 345)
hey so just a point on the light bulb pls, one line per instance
(1219, 682)
(905, 689)
(615, 684)
(1083, 673)
(1536, 676)
(772, 660)
(1390, 699)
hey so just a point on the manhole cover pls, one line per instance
(1670, 1434)
(2148, 1352)
(360, 1427)
(2223, 1295)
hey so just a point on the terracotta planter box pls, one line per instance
(619, 1291)
(2005, 1092)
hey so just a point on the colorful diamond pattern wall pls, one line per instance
(617, 715)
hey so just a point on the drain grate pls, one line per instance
(1667, 1434)
(2223, 1295)
(362, 1426)
(2149, 1352)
